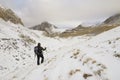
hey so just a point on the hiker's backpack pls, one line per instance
(36, 50)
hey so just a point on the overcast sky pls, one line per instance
(62, 12)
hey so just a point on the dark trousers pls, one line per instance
(38, 59)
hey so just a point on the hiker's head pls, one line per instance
(39, 44)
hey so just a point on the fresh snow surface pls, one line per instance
(78, 58)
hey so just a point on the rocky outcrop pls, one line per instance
(45, 26)
(113, 20)
(9, 15)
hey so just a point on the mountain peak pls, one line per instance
(45, 26)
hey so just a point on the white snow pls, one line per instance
(74, 58)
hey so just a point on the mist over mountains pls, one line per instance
(109, 23)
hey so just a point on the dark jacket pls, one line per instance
(41, 49)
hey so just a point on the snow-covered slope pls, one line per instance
(16, 49)
(77, 58)
(95, 58)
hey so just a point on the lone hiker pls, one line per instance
(39, 52)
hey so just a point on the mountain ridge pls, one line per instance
(9, 15)
(109, 23)
(113, 20)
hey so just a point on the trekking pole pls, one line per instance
(34, 56)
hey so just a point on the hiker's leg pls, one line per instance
(38, 58)
(42, 58)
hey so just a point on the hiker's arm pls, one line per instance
(44, 48)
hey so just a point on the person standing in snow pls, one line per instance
(39, 52)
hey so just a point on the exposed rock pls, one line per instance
(113, 20)
(45, 26)
(91, 30)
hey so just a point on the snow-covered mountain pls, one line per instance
(48, 29)
(109, 23)
(45, 26)
(8, 15)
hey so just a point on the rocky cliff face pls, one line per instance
(9, 15)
